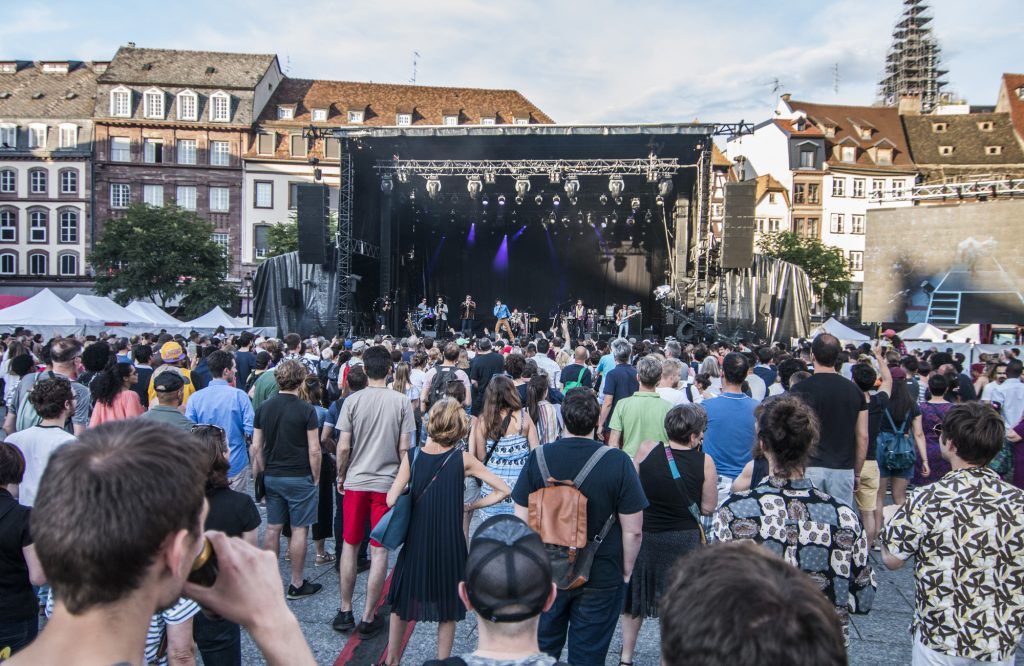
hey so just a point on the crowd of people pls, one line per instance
(733, 491)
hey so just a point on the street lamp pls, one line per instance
(247, 297)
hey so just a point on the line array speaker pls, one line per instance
(311, 214)
(738, 225)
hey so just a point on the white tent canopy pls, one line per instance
(47, 314)
(844, 333)
(152, 314)
(107, 311)
(214, 319)
(923, 331)
(970, 333)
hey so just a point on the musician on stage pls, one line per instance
(501, 313)
(467, 311)
(442, 315)
(382, 309)
(579, 318)
(423, 309)
(515, 321)
(622, 319)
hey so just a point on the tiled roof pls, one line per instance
(193, 69)
(32, 93)
(718, 159)
(1012, 83)
(766, 184)
(967, 139)
(382, 101)
(809, 130)
(883, 121)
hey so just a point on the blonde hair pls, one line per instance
(401, 382)
(447, 422)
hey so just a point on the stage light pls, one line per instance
(647, 217)
(412, 195)
(556, 200)
(572, 186)
(551, 217)
(387, 185)
(501, 199)
(519, 200)
(403, 176)
(554, 176)
(565, 221)
(603, 199)
(433, 187)
(616, 185)
(579, 217)
(615, 217)
(485, 201)
(474, 187)
(618, 201)
(539, 200)
(634, 203)
(489, 177)
(659, 200)
(574, 201)
(665, 187)
(631, 220)
(604, 222)
(522, 187)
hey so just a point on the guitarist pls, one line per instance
(622, 320)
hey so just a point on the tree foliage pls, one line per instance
(283, 238)
(162, 254)
(826, 266)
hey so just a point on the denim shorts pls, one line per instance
(292, 497)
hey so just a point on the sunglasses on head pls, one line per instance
(200, 427)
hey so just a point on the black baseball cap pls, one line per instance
(508, 575)
(169, 381)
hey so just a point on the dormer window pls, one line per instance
(188, 105)
(55, 67)
(520, 120)
(355, 116)
(121, 102)
(848, 154)
(864, 132)
(985, 126)
(830, 132)
(153, 103)
(319, 115)
(68, 135)
(1020, 92)
(220, 107)
(37, 135)
(883, 157)
(993, 150)
(939, 128)
(8, 67)
(403, 119)
(945, 150)
(451, 119)
(489, 120)
(285, 112)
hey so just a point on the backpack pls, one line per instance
(895, 449)
(331, 383)
(568, 386)
(27, 415)
(558, 513)
(439, 384)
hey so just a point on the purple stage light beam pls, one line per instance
(501, 258)
(435, 257)
(471, 239)
(519, 233)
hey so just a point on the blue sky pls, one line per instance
(594, 61)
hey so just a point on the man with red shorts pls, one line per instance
(375, 428)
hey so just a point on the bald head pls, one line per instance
(581, 355)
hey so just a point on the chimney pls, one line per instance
(785, 97)
(910, 105)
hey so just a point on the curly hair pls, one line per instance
(290, 374)
(50, 395)
(106, 385)
(788, 430)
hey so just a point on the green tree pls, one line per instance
(826, 266)
(162, 254)
(283, 238)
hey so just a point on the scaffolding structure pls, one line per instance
(912, 66)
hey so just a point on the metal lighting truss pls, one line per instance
(346, 284)
(981, 189)
(653, 168)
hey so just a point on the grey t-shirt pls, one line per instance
(83, 399)
(377, 418)
(168, 415)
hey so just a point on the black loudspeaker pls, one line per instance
(311, 214)
(738, 225)
(291, 297)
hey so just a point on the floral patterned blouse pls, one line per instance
(809, 529)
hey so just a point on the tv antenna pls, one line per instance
(835, 78)
(415, 63)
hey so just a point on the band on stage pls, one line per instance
(571, 320)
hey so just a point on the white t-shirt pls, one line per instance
(672, 396)
(416, 378)
(549, 367)
(757, 387)
(37, 444)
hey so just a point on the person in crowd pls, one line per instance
(201, 376)
(375, 426)
(311, 392)
(174, 359)
(233, 513)
(787, 368)
(710, 367)
(245, 360)
(640, 417)
(830, 544)
(835, 465)
(221, 404)
(933, 411)
(961, 384)
(95, 357)
(502, 439)
(672, 370)
(8, 376)
(293, 350)
(870, 493)
(437, 377)
(19, 566)
(430, 566)
(588, 614)
(765, 368)
(260, 365)
(736, 603)
(730, 427)
(545, 416)
(64, 354)
(143, 355)
(286, 449)
(508, 585)
(53, 400)
(112, 394)
(169, 388)
(546, 364)
(676, 491)
(1010, 397)
(485, 365)
(619, 383)
(966, 537)
(17, 368)
(576, 373)
(117, 525)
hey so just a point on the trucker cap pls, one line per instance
(508, 575)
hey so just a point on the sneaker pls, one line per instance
(343, 621)
(306, 590)
(372, 628)
(362, 565)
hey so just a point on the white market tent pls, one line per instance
(844, 333)
(214, 319)
(108, 311)
(923, 331)
(47, 314)
(153, 314)
(971, 332)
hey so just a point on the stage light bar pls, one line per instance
(523, 169)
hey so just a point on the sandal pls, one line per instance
(326, 558)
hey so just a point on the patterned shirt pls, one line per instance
(966, 534)
(812, 531)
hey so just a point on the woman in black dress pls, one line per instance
(676, 490)
(431, 564)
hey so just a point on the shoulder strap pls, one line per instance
(542, 463)
(898, 431)
(522, 420)
(680, 485)
(591, 463)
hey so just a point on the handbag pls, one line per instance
(681, 487)
(393, 527)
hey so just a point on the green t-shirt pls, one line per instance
(639, 418)
(265, 387)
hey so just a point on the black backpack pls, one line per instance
(443, 374)
(330, 382)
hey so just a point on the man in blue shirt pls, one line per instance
(729, 439)
(221, 404)
(619, 383)
(501, 313)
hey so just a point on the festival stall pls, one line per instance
(47, 314)
(112, 315)
(923, 331)
(218, 318)
(845, 334)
